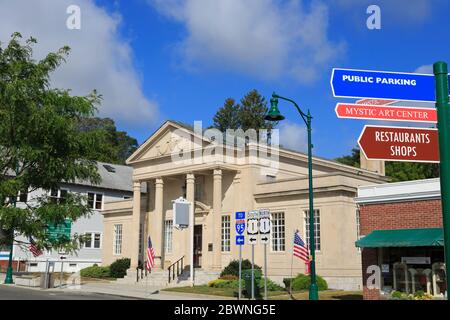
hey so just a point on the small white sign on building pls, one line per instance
(416, 260)
(181, 213)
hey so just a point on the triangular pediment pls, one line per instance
(170, 138)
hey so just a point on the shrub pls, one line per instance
(271, 286)
(229, 277)
(214, 283)
(233, 268)
(118, 269)
(287, 282)
(302, 282)
(95, 272)
(396, 295)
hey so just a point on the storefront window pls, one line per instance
(413, 269)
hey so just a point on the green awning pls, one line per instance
(403, 238)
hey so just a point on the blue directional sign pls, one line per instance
(348, 83)
(240, 240)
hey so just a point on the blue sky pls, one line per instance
(181, 59)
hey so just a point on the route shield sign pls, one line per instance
(265, 225)
(240, 223)
(253, 226)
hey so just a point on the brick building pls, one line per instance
(400, 228)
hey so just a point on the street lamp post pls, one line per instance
(275, 115)
(9, 270)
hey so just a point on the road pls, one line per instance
(15, 293)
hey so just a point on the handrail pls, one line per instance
(171, 269)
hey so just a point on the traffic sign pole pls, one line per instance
(265, 271)
(442, 105)
(240, 272)
(253, 272)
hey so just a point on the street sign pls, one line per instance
(240, 240)
(265, 225)
(399, 144)
(56, 231)
(376, 102)
(347, 83)
(390, 113)
(253, 226)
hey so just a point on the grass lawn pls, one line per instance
(273, 295)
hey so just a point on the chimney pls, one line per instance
(376, 166)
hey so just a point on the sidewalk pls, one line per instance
(136, 291)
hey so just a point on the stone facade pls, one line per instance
(219, 189)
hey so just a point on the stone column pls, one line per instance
(159, 218)
(190, 196)
(135, 224)
(217, 216)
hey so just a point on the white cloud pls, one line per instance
(426, 69)
(293, 136)
(267, 39)
(100, 59)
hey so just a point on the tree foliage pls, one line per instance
(41, 144)
(397, 171)
(117, 145)
(249, 113)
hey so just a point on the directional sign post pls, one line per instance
(347, 83)
(400, 144)
(240, 229)
(442, 104)
(387, 113)
(396, 143)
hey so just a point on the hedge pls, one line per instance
(233, 268)
(302, 282)
(95, 272)
(118, 269)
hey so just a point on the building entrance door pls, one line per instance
(198, 235)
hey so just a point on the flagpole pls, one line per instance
(292, 263)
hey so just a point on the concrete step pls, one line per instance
(160, 278)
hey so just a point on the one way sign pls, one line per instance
(253, 226)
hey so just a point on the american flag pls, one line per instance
(150, 256)
(34, 249)
(300, 249)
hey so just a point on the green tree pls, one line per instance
(351, 160)
(227, 117)
(253, 109)
(249, 113)
(117, 145)
(41, 144)
(397, 171)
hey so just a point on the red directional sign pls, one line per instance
(400, 144)
(389, 113)
(377, 102)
